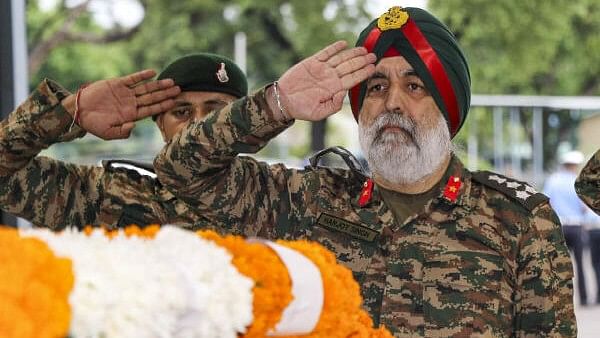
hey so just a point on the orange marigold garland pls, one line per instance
(131, 230)
(272, 289)
(34, 288)
(341, 316)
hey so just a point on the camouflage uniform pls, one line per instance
(490, 263)
(55, 194)
(588, 183)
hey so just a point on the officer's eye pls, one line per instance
(416, 88)
(215, 106)
(375, 88)
(182, 113)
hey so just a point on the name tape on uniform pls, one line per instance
(342, 225)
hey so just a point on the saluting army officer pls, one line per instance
(56, 194)
(439, 251)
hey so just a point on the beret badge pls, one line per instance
(222, 74)
(394, 18)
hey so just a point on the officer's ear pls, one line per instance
(160, 123)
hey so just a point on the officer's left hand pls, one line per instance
(315, 88)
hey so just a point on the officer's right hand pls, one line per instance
(315, 88)
(110, 108)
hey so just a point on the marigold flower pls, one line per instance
(342, 315)
(34, 288)
(155, 281)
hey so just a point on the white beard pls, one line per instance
(408, 156)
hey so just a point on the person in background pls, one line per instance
(587, 186)
(55, 194)
(559, 187)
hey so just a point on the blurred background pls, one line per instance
(534, 68)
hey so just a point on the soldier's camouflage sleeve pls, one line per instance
(52, 193)
(588, 183)
(544, 298)
(201, 167)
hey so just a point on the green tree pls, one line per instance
(532, 48)
(65, 44)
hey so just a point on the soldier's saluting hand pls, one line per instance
(110, 108)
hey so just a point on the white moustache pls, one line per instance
(392, 120)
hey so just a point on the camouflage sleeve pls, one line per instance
(200, 166)
(44, 191)
(588, 183)
(34, 125)
(544, 296)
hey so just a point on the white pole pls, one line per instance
(538, 145)
(240, 50)
(498, 140)
(19, 43)
(515, 128)
(473, 143)
(19, 62)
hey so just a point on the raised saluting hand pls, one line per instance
(110, 108)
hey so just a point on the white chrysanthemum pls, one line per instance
(176, 285)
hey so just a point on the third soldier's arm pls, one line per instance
(588, 183)
(48, 192)
(544, 296)
(201, 167)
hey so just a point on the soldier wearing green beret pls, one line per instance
(55, 194)
(439, 251)
(208, 82)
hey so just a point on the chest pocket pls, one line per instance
(466, 289)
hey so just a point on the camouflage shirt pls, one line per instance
(588, 183)
(55, 194)
(491, 262)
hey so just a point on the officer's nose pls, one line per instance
(199, 114)
(396, 100)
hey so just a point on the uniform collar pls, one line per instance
(455, 169)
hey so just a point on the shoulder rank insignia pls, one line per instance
(394, 18)
(366, 193)
(522, 192)
(222, 74)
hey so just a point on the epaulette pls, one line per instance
(143, 168)
(519, 191)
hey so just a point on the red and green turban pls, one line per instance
(432, 51)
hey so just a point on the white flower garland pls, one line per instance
(175, 285)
